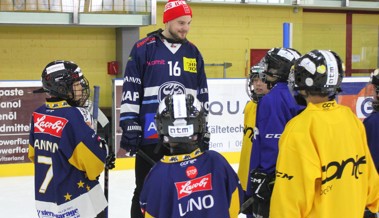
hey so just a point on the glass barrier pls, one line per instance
(85, 6)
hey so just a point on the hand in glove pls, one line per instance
(262, 185)
(110, 158)
(131, 136)
(110, 161)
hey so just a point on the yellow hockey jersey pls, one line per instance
(250, 112)
(324, 167)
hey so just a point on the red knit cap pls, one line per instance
(175, 9)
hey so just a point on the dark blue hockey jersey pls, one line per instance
(67, 158)
(372, 132)
(274, 110)
(192, 185)
(154, 71)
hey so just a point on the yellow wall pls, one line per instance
(365, 41)
(25, 51)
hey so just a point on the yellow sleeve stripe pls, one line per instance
(83, 159)
(31, 153)
(147, 215)
(234, 204)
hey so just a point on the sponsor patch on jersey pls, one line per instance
(186, 188)
(190, 65)
(170, 88)
(47, 124)
(150, 129)
(191, 172)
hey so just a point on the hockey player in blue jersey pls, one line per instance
(163, 63)
(188, 182)
(371, 126)
(371, 122)
(274, 110)
(67, 154)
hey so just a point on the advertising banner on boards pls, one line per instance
(227, 99)
(17, 103)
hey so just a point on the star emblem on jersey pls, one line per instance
(67, 197)
(80, 184)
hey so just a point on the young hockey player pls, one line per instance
(163, 63)
(274, 110)
(68, 156)
(324, 166)
(188, 182)
(256, 89)
(371, 123)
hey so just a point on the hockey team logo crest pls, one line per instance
(49, 124)
(170, 88)
(186, 188)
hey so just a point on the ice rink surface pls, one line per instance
(17, 195)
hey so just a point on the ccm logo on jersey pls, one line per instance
(272, 136)
(48, 124)
(186, 188)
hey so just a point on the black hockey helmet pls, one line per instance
(180, 119)
(374, 81)
(65, 80)
(319, 71)
(278, 62)
(256, 71)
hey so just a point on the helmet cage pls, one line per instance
(255, 72)
(179, 118)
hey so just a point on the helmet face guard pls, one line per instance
(180, 119)
(64, 79)
(319, 71)
(256, 72)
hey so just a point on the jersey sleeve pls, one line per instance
(202, 92)
(132, 89)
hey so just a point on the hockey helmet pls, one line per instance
(65, 80)
(278, 62)
(180, 119)
(256, 72)
(319, 71)
(374, 82)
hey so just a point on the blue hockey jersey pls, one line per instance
(192, 185)
(372, 131)
(274, 111)
(67, 159)
(152, 72)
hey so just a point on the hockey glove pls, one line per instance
(131, 136)
(262, 185)
(110, 161)
(204, 141)
(111, 158)
(369, 214)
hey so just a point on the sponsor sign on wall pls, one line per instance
(17, 102)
